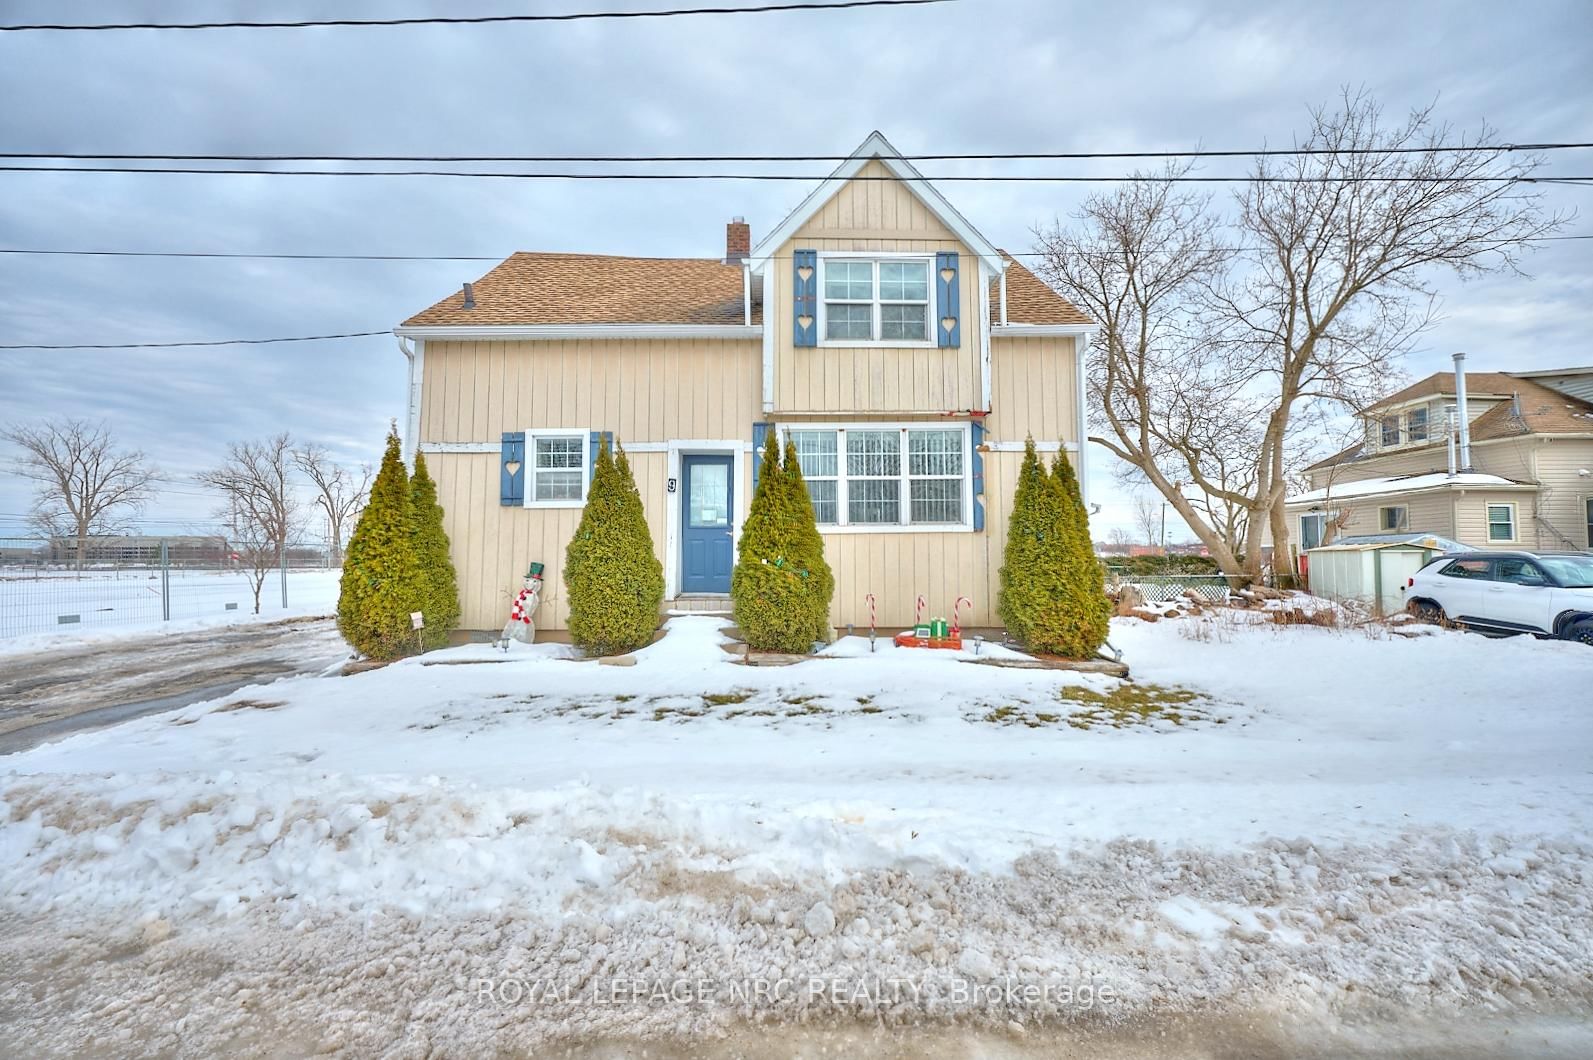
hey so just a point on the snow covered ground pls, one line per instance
(1316, 825)
(115, 602)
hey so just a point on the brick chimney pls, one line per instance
(738, 241)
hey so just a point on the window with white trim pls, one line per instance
(886, 476)
(882, 299)
(557, 471)
(1501, 522)
(1416, 425)
(1394, 517)
(1390, 425)
(1313, 526)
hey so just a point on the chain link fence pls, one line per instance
(47, 586)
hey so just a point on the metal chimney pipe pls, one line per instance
(1449, 436)
(1465, 418)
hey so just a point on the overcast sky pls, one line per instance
(982, 75)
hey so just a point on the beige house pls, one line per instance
(905, 355)
(1506, 461)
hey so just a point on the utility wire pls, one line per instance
(476, 20)
(173, 345)
(203, 254)
(962, 157)
(948, 178)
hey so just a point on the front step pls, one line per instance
(699, 604)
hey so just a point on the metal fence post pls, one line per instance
(165, 581)
(282, 559)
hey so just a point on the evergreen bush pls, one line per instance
(382, 579)
(614, 580)
(1052, 597)
(440, 597)
(781, 588)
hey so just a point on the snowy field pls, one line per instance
(484, 856)
(31, 604)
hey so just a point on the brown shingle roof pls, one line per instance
(543, 288)
(538, 288)
(1541, 411)
(1478, 384)
(1030, 300)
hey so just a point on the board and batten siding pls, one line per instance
(1033, 389)
(884, 216)
(641, 389)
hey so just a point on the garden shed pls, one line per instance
(1372, 569)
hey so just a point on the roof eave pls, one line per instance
(504, 332)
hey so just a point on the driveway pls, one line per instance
(53, 693)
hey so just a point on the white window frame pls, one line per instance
(904, 505)
(1383, 426)
(529, 466)
(1487, 523)
(1426, 427)
(876, 258)
(1321, 534)
(1402, 523)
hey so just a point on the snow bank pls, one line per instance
(1354, 821)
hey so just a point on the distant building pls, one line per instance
(137, 551)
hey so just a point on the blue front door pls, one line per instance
(707, 501)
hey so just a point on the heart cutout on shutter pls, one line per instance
(947, 323)
(805, 272)
(512, 467)
(948, 274)
(804, 321)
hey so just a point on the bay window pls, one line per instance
(884, 300)
(886, 476)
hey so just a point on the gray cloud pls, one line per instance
(974, 76)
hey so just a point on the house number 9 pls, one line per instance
(672, 485)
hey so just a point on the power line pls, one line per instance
(205, 254)
(1135, 178)
(958, 157)
(173, 345)
(476, 20)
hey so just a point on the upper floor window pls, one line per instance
(1390, 425)
(1416, 425)
(866, 300)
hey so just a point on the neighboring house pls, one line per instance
(906, 356)
(1521, 477)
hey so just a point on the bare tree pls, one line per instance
(337, 493)
(259, 509)
(1149, 518)
(86, 484)
(1328, 286)
(1120, 538)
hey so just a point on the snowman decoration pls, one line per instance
(521, 626)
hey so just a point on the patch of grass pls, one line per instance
(623, 699)
(723, 699)
(1133, 704)
(871, 709)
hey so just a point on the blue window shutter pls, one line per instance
(948, 324)
(760, 436)
(804, 298)
(977, 465)
(594, 443)
(511, 484)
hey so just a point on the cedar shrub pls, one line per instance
(1052, 591)
(382, 579)
(440, 599)
(781, 587)
(614, 580)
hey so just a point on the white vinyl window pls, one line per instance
(1416, 425)
(874, 300)
(556, 471)
(1394, 517)
(1312, 528)
(887, 476)
(1501, 522)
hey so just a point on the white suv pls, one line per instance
(1549, 594)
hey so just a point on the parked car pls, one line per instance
(1549, 594)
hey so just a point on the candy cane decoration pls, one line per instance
(956, 624)
(918, 609)
(870, 599)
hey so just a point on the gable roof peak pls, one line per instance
(875, 147)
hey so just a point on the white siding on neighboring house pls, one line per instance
(1565, 492)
